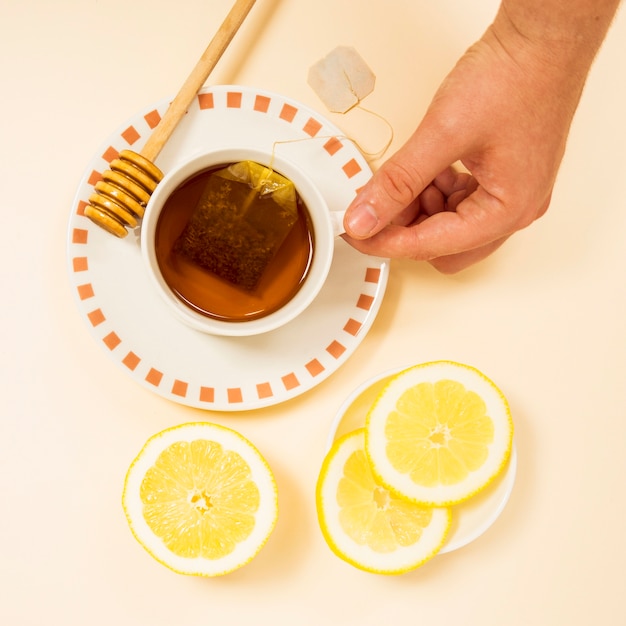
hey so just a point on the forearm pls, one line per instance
(568, 30)
(553, 44)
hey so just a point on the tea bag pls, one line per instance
(341, 79)
(244, 214)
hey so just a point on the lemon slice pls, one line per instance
(200, 499)
(439, 433)
(365, 524)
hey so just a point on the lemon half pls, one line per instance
(200, 499)
(365, 524)
(439, 433)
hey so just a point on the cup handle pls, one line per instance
(336, 219)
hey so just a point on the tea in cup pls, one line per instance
(238, 241)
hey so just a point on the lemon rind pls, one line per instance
(443, 518)
(399, 484)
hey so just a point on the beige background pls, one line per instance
(544, 317)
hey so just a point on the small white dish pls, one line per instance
(132, 324)
(469, 519)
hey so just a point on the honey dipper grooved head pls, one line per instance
(120, 198)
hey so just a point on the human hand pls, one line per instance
(503, 113)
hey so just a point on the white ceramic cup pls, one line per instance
(326, 226)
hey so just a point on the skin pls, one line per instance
(483, 162)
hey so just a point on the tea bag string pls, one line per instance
(381, 152)
(370, 156)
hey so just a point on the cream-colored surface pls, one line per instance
(544, 317)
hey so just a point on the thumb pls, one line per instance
(397, 183)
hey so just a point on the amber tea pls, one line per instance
(219, 252)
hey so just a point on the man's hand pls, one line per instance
(483, 162)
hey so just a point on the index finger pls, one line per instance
(397, 183)
(479, 220)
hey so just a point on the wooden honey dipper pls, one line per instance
(121, 196)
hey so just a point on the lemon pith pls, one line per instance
(438, 433)
(200, 499)
(365, 524)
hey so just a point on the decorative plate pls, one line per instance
(133, 325)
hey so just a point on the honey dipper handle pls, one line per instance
(196, 79)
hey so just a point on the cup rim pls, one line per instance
(318, 211)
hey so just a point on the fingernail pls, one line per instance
(362, 220)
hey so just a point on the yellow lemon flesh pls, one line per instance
(201, 499)
(439, 433)
(367, 525)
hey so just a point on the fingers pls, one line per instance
(453, 263)
(443, 228)
(390, 194)
(409, 214)
(455, 186)
(446, 264)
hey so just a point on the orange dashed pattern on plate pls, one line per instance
(342, 170)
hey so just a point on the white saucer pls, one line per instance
(469, 519)
(132, 324)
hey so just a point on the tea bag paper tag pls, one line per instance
(341, 79)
